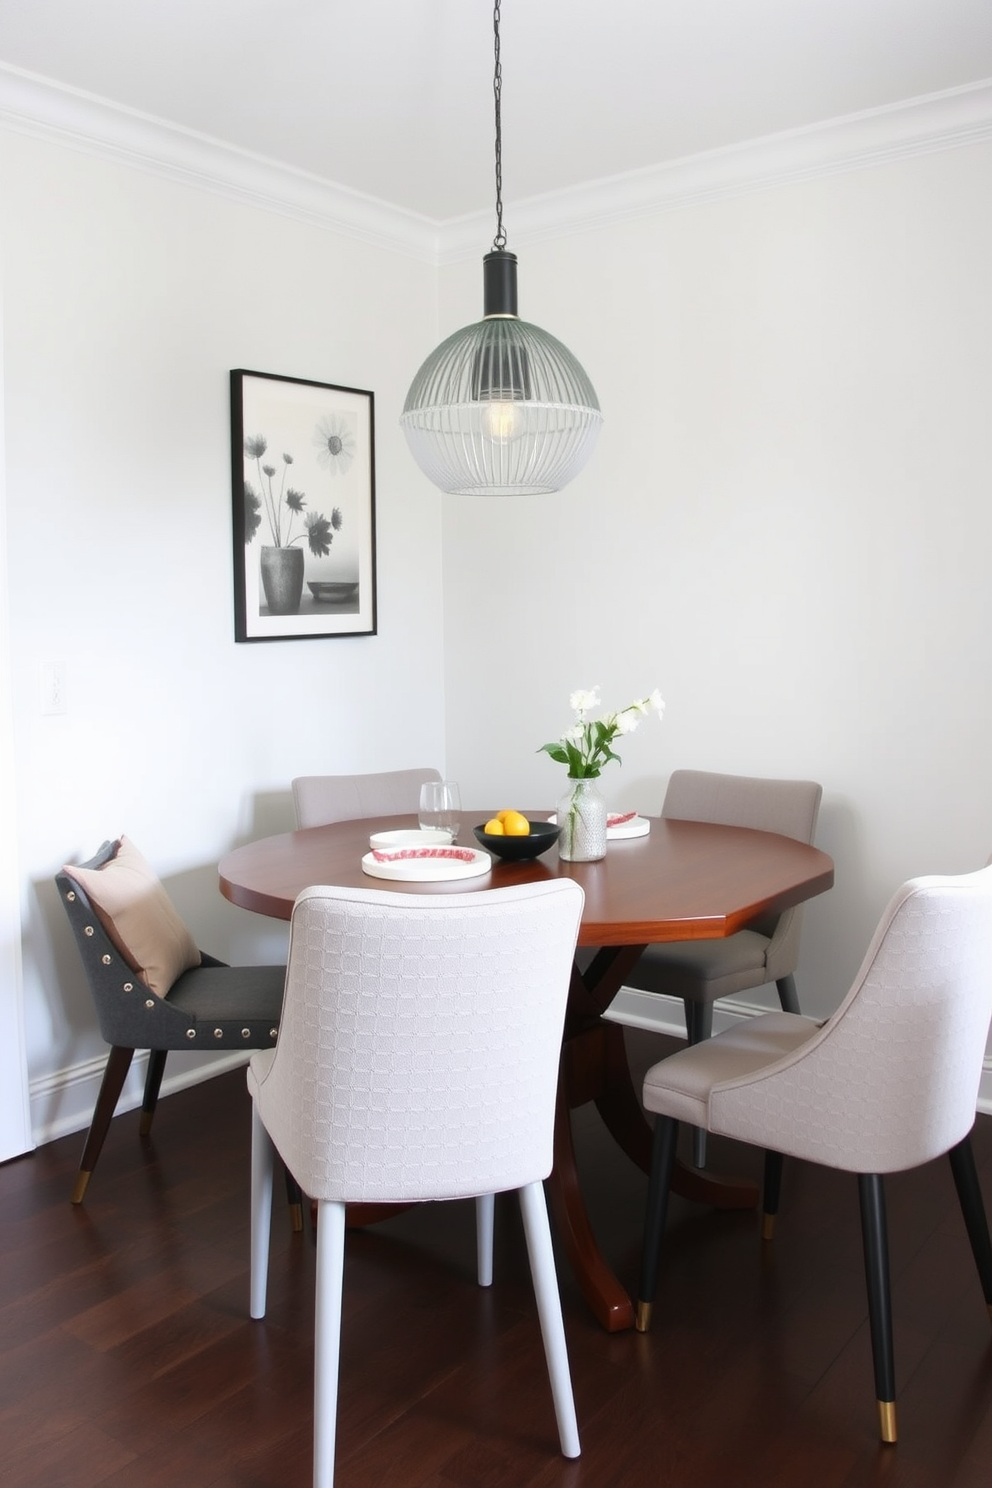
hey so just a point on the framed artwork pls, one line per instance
(303, 478)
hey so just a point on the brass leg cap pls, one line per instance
(145, 1126)
(768, 1226)
(79, 1187)
(887, 1420)
(642, 1317)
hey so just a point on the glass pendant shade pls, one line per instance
(501, 408)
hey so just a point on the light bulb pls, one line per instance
(502, 422)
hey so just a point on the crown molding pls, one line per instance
(921, 126)
(36, 106)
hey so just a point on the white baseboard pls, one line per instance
(63, 1102)
(660, 1014)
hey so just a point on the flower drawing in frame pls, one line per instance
(303, 472)
(334, 440)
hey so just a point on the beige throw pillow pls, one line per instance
(139, 917)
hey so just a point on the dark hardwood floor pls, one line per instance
(127, 1356)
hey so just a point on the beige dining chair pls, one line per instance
(417, 1060)
(322, 799)
(700, 971)
(887, 1083)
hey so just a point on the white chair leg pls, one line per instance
(327, 1341)
(485, 1209)
(542, 1266)
(262, 1154)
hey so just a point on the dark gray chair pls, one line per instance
(210, 1006)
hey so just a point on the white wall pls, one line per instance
(787, 527)
(127, 298)
(15, 1119)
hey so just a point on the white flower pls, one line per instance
(580, 702)
(334, 440)
(627, 721)
(586, 747)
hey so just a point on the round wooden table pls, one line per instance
(683, 881)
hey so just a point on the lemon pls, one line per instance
(515, 824)
(494, 827)
(502, 815)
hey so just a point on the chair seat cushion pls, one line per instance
(139, 917)
(680, 1085)
(703, 970)
(231, 994)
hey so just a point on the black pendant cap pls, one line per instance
(499, 280)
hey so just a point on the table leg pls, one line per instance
(607, 1299)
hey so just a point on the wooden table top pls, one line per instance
(683, 881)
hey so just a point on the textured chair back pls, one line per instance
(419, 1047)
(891, 1079)
(322, 799)
(788, 807)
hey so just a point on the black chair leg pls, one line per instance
(698, 1020)
(114, 1075)
(698, 1026)
(666, 1133)
(876, 1244)
(963, 1167)
(153, 1084)
(787, 994)
(771, 1191)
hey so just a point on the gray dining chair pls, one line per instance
(322, 799)
(700, 971)
(153, 989)
(887, 1083)
(418, 1060)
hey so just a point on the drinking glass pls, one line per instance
(440, 806)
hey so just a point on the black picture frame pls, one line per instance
(303, 484)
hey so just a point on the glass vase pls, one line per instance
(581, 815)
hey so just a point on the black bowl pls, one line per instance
(541, 836)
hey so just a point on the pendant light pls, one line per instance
(501, 408)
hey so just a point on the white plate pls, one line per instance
(428, 870)
(638, 826)
(410, 837)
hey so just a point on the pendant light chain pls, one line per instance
(499, 242)
(501, 408)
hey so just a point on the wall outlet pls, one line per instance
(52, 686)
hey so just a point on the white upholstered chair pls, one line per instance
(700, 971)
(890, 1081)
(417, 1059)
(321, 799)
